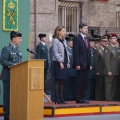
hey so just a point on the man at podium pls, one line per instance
(10, 55)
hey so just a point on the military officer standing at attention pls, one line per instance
(90, 90)
(99, 69)
(70, 83)
(42, 53)
(10, 55)
(111, 59)
(118, 83)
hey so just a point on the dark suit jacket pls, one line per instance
(111, 59)
(81, 54)
(42, 53)
(9, 56)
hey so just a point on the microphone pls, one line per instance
(32, 52)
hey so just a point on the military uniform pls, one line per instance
(118, 83)
(70, 83)
(42, 53)
(91, 83)
(99, 73)
(52, 74)
(10, 55)
(111, 59)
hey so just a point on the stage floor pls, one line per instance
(73, 109)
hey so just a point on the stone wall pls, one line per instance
(44, 18)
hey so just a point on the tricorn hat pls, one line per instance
(41, 35)
(15, 34)
(68, 38)
(95, 38)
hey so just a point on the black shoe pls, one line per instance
(84, 101)
(6, 118)
(79, 101)
(58, 101)
(63, 102)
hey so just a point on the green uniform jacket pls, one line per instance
(42, 53)
(99, 61)
(111, 58)
(9, 56)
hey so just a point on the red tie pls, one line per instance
(86, 43)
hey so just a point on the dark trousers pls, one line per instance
(118, 90)
(70, 88)
(52, 88)
(82, 82)
(111, 87)
(45, 76)
(100, 87)
(66, 88)
(90, 90)
(6, 98)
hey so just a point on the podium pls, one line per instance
(27, 90)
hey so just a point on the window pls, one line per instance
(118, 19)
(69, 15)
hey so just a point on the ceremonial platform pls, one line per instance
(73, 109)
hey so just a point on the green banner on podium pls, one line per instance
(10, 15)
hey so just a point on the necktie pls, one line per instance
(86, 43)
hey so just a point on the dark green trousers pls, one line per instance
(6, 98)
(100, 87)
(110, 87)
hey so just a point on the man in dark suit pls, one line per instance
(81, 59)
(10, 55)
(42, 53)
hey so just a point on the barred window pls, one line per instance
(69, 15)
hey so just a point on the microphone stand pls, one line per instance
(47, 98)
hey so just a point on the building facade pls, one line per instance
(101, 16)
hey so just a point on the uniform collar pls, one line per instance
(101, 47)
(112, 45)
(13, 45)
(43, 43)
(69, 47)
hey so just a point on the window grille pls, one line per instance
(69, 15)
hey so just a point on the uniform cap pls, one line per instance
(41, 35)
(104, 38)
(68, 39)
(95, 38)
(15, 34)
